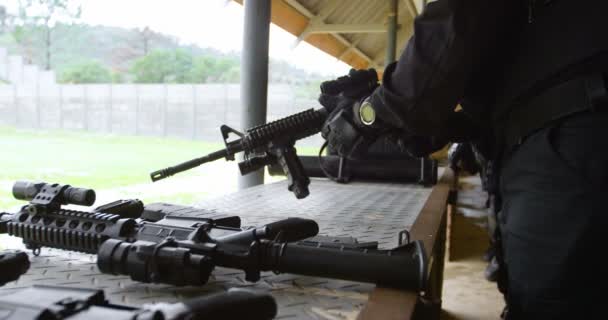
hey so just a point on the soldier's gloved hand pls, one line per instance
(351, 125)
(357, 85)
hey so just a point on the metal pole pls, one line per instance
(254, 73)
(165, 109)
(194, 112)
(391, 25)
(38, 109)
(137, 109)
(85, 103)
(110, 107)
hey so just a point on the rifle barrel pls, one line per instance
(167, 172)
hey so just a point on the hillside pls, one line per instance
(118, 50)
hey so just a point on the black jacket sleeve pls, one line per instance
(452, 38)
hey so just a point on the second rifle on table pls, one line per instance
(58, 302)
(166, 245)
(41, 302)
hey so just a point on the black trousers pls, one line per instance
(554, 222)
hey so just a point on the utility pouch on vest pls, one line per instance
(579, 94)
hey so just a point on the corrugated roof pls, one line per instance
(350, 30)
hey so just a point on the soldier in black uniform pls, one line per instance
(531, 74)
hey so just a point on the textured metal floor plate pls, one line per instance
(367, 211)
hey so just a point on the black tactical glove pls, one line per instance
(351, 125)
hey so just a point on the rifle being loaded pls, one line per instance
(273, 143)
(161, 247)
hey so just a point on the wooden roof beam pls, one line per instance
(318, 19)
(411, 8)
(302, 10)
(347, 28)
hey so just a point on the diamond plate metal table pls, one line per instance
(367, 211)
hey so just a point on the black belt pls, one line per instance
(579, 94)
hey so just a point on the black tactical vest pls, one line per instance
(553, 41)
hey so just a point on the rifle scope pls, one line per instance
(64, 194)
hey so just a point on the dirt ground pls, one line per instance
(466, 293)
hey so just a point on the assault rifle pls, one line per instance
(12, 265)
(54, 302)
(273, 143)
(165, 246)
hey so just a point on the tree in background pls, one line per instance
(122, 51)
(46, 13)
(86, 72)
(155, 67)
(3, 18)
(24, 40)
(216, 69)
(145, 36)
(180, 66)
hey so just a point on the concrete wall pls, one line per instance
(13, 69)
(172, 110)
(33, 99)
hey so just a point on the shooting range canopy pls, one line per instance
(353, 31)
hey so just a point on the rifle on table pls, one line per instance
(13, 264)
(55, 302)
(163, 246)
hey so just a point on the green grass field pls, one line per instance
(86, 159)
(117, 167)
(97, 161)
